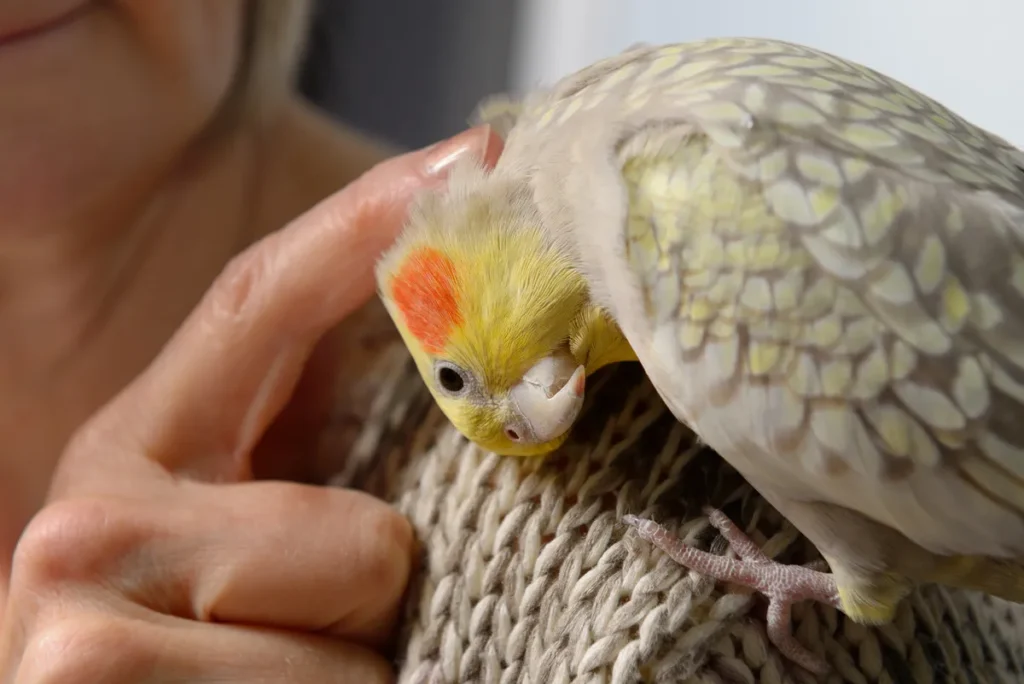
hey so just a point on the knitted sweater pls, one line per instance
(527, 575)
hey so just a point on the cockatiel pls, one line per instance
(820, 269)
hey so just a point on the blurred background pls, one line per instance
(411, 71)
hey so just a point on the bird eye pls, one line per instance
(450, 378)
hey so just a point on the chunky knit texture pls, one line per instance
(528, 576)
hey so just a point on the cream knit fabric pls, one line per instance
(528, 575)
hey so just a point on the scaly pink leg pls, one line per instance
(783, 585)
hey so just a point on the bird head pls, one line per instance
(488, 304)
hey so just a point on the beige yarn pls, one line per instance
(528, 575)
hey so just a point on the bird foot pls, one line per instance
(783, 585)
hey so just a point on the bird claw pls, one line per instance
(782, 585)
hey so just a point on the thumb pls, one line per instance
(202, 405)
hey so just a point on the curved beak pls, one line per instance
(547, 400)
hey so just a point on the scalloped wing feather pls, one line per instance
(821, 270)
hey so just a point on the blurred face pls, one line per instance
(98, 96)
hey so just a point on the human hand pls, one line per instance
(158, 558)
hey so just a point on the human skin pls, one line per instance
(132, 459)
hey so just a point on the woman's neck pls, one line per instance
(67, 283)
(84, 311)
(83, 308)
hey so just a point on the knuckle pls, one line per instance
(85, 438)
(237, 284)
(95, 447)
(70, 540)
(85, 649)
(88, 439)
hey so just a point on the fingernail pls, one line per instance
(444, 154)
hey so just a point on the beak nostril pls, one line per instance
(544, 406)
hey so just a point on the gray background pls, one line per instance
(410, 71)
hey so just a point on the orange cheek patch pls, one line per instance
(424, 291)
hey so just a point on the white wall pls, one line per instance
(967, 54)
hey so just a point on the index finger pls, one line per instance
(206, 400)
